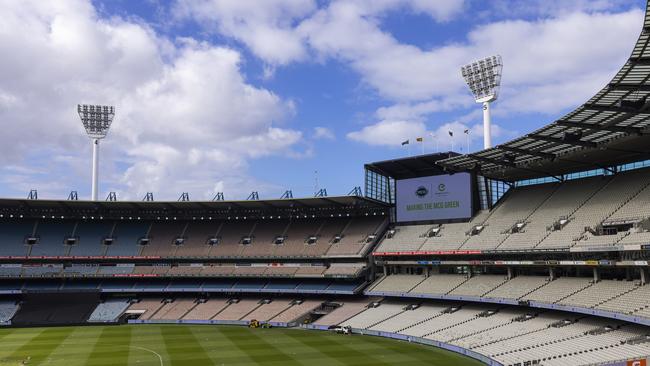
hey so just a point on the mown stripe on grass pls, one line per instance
(182, 346)
(436, 356)
(15, 339)
(149, 340)
(73, 350)
(325, 344)
(258, 349)
(41, 346)
(112, 347)
(218, 347)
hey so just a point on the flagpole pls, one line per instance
(451, 135)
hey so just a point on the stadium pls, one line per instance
(532, 252)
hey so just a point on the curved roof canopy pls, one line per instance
(612, 128)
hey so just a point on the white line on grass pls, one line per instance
(150, 351)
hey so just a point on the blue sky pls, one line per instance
(235, 96)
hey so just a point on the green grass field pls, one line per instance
(173, 345)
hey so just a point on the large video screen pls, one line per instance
(439, 197)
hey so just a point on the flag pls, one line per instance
(419, 139)
(451, 134)
(405, 142)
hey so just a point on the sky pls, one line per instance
(236, 96)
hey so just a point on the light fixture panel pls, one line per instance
(96, 119)
(484, 78)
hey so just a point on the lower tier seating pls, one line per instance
(510, 335)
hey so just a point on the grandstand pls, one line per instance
(533, 252)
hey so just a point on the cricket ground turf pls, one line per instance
(173, 345)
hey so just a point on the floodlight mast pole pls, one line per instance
(95, 176)
(484, 79)
(487, 126)
(96, 120)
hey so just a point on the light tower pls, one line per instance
(96, 120)
(484, 79)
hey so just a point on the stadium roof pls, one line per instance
(185, 209)
(411, 167)
(611, 128)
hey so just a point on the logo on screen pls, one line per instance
(421, 191)
(441, 187)
(637, 363)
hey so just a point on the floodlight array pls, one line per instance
(484, 78)
(96, 119)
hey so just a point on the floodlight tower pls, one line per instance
(96, 120)
(484, 79)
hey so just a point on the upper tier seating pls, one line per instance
(618, 191)
(51, 236)
(125, 237)
(543, 216)
(12, 236)
(266, 238)
(161, 238)
(405, 238)
(562, 203)
(453, 236)
(519, 204)
(359, 235)
(93, 233)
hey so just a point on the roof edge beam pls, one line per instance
(515, 150)
(629, 87)
(556, 140)
(512, 165)
(612, 128)
(640, 60)
(611, 108)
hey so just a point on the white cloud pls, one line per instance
(270, 28)
(187, 120)
(512, 8)
(544, 51)
(393, 133)
(264, 26)
(388, 133)
(555, 61)
(323, 133)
